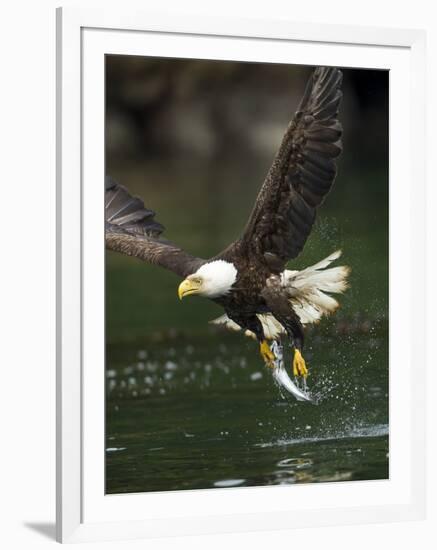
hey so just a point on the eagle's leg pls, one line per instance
(267, 354)
(295, 332)
(299, 364)
(283, 312)
(252, 323)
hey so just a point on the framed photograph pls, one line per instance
(224, 186)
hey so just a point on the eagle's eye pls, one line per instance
(196, 280)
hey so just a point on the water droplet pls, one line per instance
(170, 365)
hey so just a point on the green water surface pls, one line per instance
(189, 406)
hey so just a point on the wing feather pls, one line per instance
(131, 229)
(300, 177)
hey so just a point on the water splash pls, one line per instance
(356, 433)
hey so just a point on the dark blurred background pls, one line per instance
(168, 107)
(195, 140)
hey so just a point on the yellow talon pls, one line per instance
(299, 365)
(267, 354)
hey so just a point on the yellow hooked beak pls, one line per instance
(189, 286)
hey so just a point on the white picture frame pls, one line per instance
(84, 513)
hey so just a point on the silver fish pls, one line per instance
(283, 380)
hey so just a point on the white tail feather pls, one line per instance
(307, 290)
(325, 262)
(271, 327)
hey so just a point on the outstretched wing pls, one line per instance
(300, 177)
(132, 230)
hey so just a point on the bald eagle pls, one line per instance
(249, 278)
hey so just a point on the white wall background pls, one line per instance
(27, 242)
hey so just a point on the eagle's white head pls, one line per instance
(211, 280)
